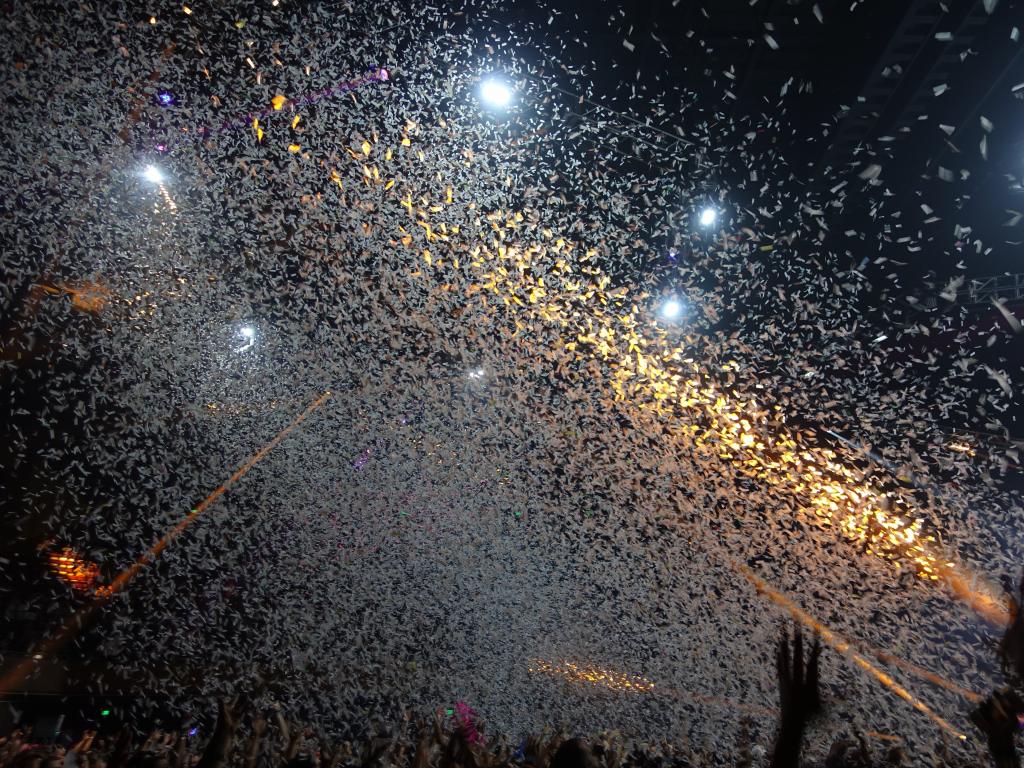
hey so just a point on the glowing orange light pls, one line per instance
(70, 567)
(605, 678)
(961, 448)
(651, 371)
(17, 674)
(845, 648)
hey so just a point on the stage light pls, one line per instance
(708, 216)
(153, 174)
(495, 93)
(247, 332)
(671, 309)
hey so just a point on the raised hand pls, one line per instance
(229, 715)
(799, 696)
(259, 726)
(252, 752)
(998, 718)
(422, 757)
(294, 742)
(1012, 645)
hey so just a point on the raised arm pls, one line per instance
(219, 747)
(252, 749)
(799, 698)
(997, 718)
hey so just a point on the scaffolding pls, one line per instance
(1005, 287)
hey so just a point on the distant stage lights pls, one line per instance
(153, 174)
(672, 309)
(495, 93)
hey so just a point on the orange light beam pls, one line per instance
(846, 649)
(931, 677)
(622, 682)
(20, 672)
(981, 600)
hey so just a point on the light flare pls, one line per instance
(843, 647)
(17, 674)
(72, 568)
(653, 373)
(592, 675)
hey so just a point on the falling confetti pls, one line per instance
(560, 400)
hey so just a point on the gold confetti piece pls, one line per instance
(187, 10)
(278, 102)
(152, 19)
(366, 148)
(294, 148)
(240, 24)
(295, 121)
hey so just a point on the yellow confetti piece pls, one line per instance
(240, 24)
(366, 148)
(278, 102)
(405, 141)
(294, 148)
(295, 120)
(187, 10)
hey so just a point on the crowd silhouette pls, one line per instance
(246, 738)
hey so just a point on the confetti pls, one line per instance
(560, 400)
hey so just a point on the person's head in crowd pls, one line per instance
(574, 753)
(29, 758)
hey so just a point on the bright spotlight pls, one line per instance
(708, 216)
(671, 309)
(495, 93)
(248, 333)
(152, 174)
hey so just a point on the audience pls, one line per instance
(463, 744)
